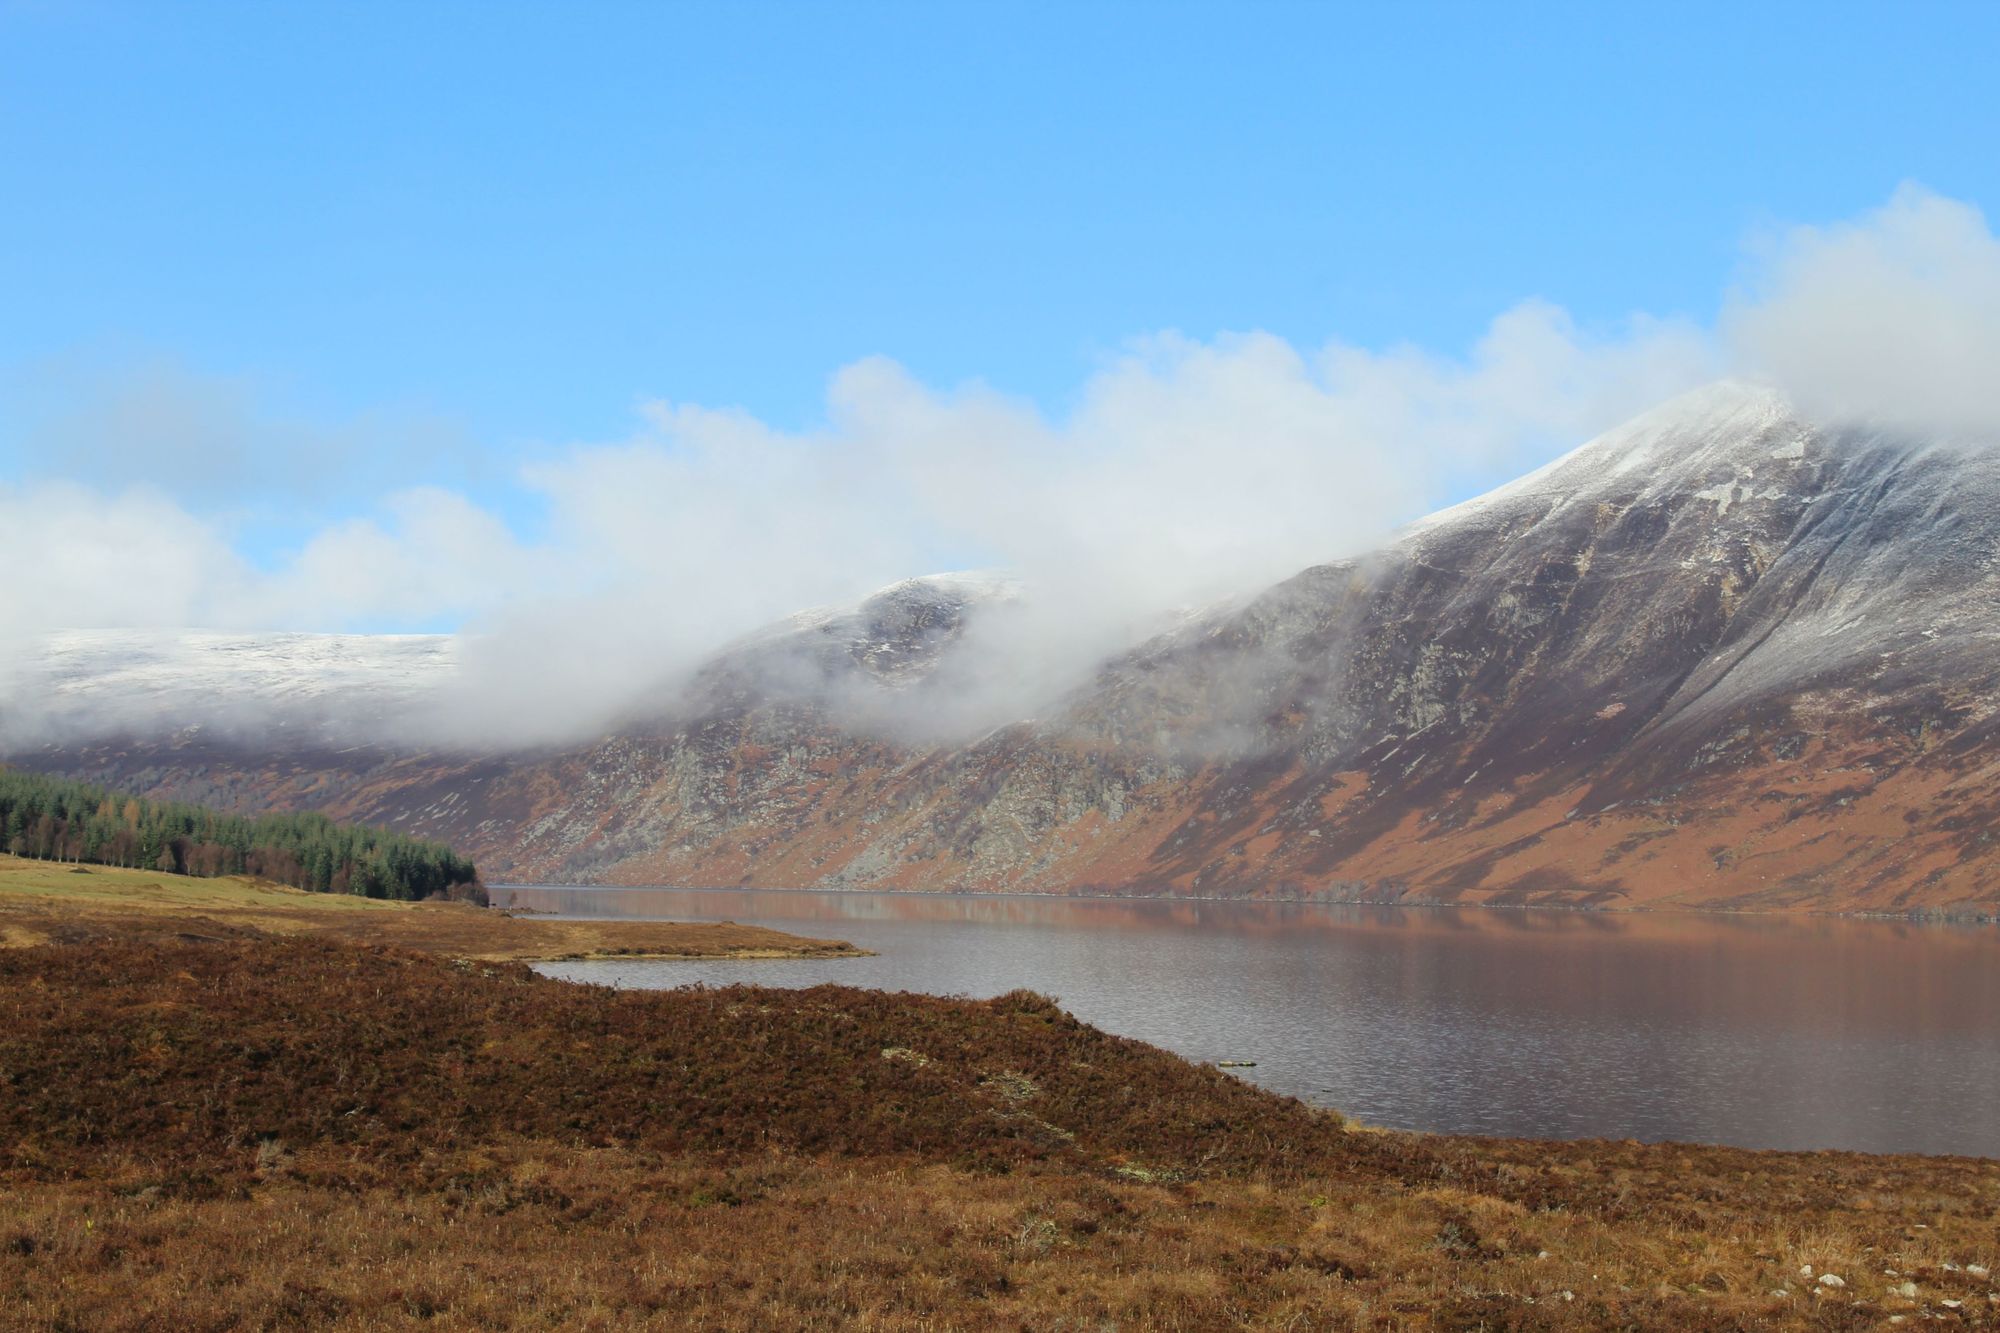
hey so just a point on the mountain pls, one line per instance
(1720, 657)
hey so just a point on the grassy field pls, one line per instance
(42, 901)
(219, 1131)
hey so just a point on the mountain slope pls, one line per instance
(1717, 657)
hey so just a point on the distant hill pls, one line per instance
(1719, 657)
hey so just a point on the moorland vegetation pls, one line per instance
(211, 1127)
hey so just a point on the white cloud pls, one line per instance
(1192, 471)
(435, 554)
(1894, 316)
(78, 556)
(1188, 470)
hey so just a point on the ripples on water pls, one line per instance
(1762, 1031)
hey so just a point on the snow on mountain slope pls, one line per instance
(894, 638)
(291, 688)
(1732, 423)
(83, 683)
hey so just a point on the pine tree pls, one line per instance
(57, 819)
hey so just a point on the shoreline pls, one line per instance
(52, 902)
(739, 956)
(1917, 916)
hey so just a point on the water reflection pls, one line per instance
(1761, 1031)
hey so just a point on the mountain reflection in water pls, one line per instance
(1762, 1031)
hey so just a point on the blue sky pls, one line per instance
(527, 216)
(436, 242)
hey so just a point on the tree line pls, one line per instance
(55, 819)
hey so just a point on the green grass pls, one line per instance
(42, 901)
(110, 886)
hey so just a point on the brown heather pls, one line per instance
(246, 1132)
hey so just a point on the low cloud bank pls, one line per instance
(1187, 471)
(1892, 318)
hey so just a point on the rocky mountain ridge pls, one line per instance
(1721, 656)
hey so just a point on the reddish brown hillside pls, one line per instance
(1720, 657)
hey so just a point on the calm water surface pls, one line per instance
(1757, 1031)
